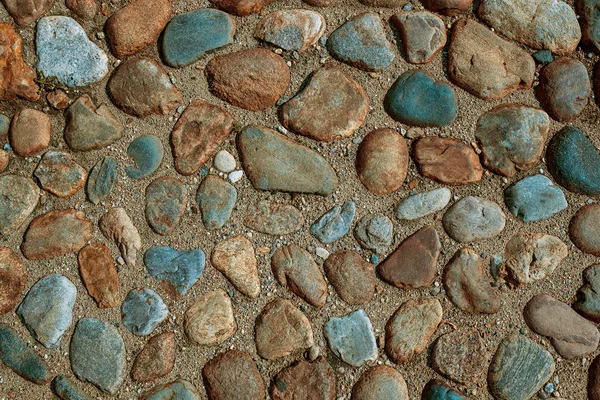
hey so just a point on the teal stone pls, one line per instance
(15, 354)
(416, 98)
(574, 162)
(534, 198)
(216, 199)
(178, 390)
(543, 57)
(335, 223)
(166, 201)
(101, 179)
(190, 35)
(181, 268)
(588, 297)
(436, 390)
(4, 124)
(65, 389)
(147, 154)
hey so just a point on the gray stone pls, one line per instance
(90, 128)
(166, 201)
(18, 198)
(178, 390)
(65, 389)
(374, 232)
(335, 223)
(588, 297)
(181, 268)
(224, 161)
(15, 354)
(273, 218)
(423, 35)
(147, 153)
(351, 338)
(534, 198)
(216, 199)
(101, 179)
(422, 204)
(143, 310)
(473, 218)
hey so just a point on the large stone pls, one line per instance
(179, 389)
(99, 274)
(382, 381)
(59, 174)
(90, 128)
(235, 258)
(24, 13)
(335, 223)
(352, 277)
(15, 354)
(16, 77)
(210, 321)
(18, 198)
(534, 198)
(459, 356)
(351, 338)
(101, 179)
(166, 201)
(472, 219)
(448, 7)
(13, 276)
(424, 203)
(423, 35)
(273, 218)
(156, 359)
(241, 8)
(233, 375)
(116, 225)
(142, 311)
(216, 199)
(305, 381)
(447, 160)
(588, 297)
(29, 132)
(590, 23)
(291, 29)
(147, 153)
(180, 268)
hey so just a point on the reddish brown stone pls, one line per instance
(447, 160)
(84, 9)
(59, 174)
(13, 276)
(241, 8)
(305, 381)
(448, 7)
(594, 380)
(460, 355)
(156, 359)
(26, 12)
(29, 132)
(58, 99)
(584, 229)
(233, 375)
(352, 277)
(319, 3)
(99, 274)
(3, 160)
(16, 77)
(380, 379)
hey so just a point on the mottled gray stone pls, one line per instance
(18, 198)
(374, 232)
(351, 338)
(15, 354)
(534, 198)
(143, 310)
(473, 218)
(101, 179)
(335, 223)
(422, 204)
(181, 268)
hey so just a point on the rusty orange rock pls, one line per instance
(99, 274)
(16, 77)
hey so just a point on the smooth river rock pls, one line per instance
(583, 229)
(351, 338)
(180, 268)
(143, 310)
(422, 204)
(382, 381)
(234, 257)
(166, 201)
(99, 275)
(116, 226)
(335, 223)
(304, 381)
(472, 219)
(291, 29)
(534, 198)
(216, 199)
(273, 218)
(89, 127)
(352, 277)
(423, 35)
(13, 276)
(233, 375)
(59, 174)
(210, 320)
(15, 354)
(447, 160)
(460, 355)
(18, 198)
(156, 359)
(588, 298)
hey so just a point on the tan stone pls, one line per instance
(210, 321)
(235, 258)
(99, 274)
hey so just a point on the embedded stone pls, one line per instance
(59, 174)
(29, 132)
(423, 35)
(351, 338)
(101, 179)
(459, 356)
(534, 198)
(374, 232)
(13, 276)
(291, 29)
(472, 219)
(147, 152)
(116, 225)
(335, 223)
(180, 268)
(179, 389)
(241, 8)
(422, 204)
(17, 79)
(90, 128)
(26, 13)
(304, 381)
(210, 321)
(18, 198)
(99, 274)
(65, 389)
(233, 375)
(447, 160)
(15, 354)
(143, 310)
(382, 381)
(166, 201)
(156, 359)
(234, 257)
(352, 277)
(273, 218)
(216, 199)
(588, 299)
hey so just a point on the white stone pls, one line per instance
(224, 161)
(422, 204)
(321, 252)
(236, 176)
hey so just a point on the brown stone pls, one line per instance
(197, 134)
(4, 159)
(156, 359)
(383, 380)
(414, 263)
(241, 8)
(352, 277)
(137, 25)
(447, 160)
(59, 174)
(99, 274)
(16, 77)
(584, 229)
(84, 9)
(382, 161)
(56, 233)
(460, 355)
(58, 99)
(116, 225)
(13, 276)
(235, 258)
(423, 35)
(29, 132)
(19, 197)
(26, 12)
(319, 3)
(448, 7)
(274, 218)
(594, 380)
(233, 375)
(253, 79)
(210, 321)
(305, 381)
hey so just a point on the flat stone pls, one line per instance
(291, 29)
(29, 132)
(512, 137)
(84, 9)
(417, 99)
(99, 275)
(140, 86)
(64, 51)
(13, 276)
(274, 162)
(382, 381)
(486, 65)
(408, 330)
(58, 99)
(571, 335)
(468, 285)
(210, 321)
(588, 299)
(472, 219)
(295, 268)
(101, 179)
(273, 218)
(17, 78)
(59, 174)
(90, 128)
(335, 223)
(534, 198)
(179, 389)
(330, 105)
(438, 390)
(252, 79)
(15, 354)
(216, 199)
(459, 356)
(540, 24)
(519, 369)
(352, 277)
(26, 13)
(224, 161)
(281, 329)
(241, 8)
(233, 375)
(156, 359)
(191, 35)
(351, 338)
(587, 11)
(382, 161)
(65, 389)
(147, 152)
(116, 225)
(18, 198)
(235, 258)
(422, 204)
(56, 233)
(423, 35)
(137, 25)
(166, 201)
(448, 7)
(374, 232)
(304, 381)
(181, 268)
(143, 310)
(97, 354)
(414, 262)
(362, 43)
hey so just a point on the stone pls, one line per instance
(351, 338)
(541, 24)
(408, 330)
(26, 13)
(273, 218)
(18, 198)
(180, 268)
(59, 174)
(191, 35)
(384, 3)
(330, 105)
(147, 153)
(99, 275)
(382, 161)
(17, 79)
(447, 160)
(234, 257)
(200, 130)
(101, 179)
(468, 285)
(156, 359)
(97, 354)
(530, 257)
(295, 268)
(281, 329)
(448, 7)
(13, 276)
(472, 219)
(179, 389)
(4, 158)
(84, 9)
(166, 201)
(274, 162)
(320, 3)
(382, 381)
(352, 277)
(543, 57)
(15, 354)
(423, 35)
(291, 29)
(90, 128)
(459, 356)
(64, 51)
(210, 321)
(588, 301)
(587, 11)
(486, 65)
(216, 199)
(116, 225)
(374, 232)
(252, 79)
(519, 369)
(224, 161)
(140, 86)
(362, 43)
(4, 123)
(304, 381)
(571, 335)
(574, 162)
(143, 310)
(58, 99)
(335, 223)
(233, 375)
(56, 233)
(534, 198)
(564, 88)
(241, 8)
(65, 389)
(136, 26)
(29, 132)
(437, 390)
(422, 204)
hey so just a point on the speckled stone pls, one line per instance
(472, 219)
(179, 389)
(13, 276)
(166, 201)
(116, 226)
(65, 389)
(534, 198)
(422, 204)
(233, 375)
(273, 218)
(382, 381)
(335, 223)
(89, 127)
(210, 320)
(352, 277)
(99, 275)
(181, 268)
(588, 298)
(216, 199)
(15, 354)
(18, 198)
(156, 359)
(584, 229)
(143, 310)
(304, 381)
(374, 232)
(147, 152)
(101, 179)
(460, 355)
(438, 390)
(351, 338)
(59, 174)
(291, 29)
(234, 257)
(423, 35)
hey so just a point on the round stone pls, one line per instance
(584, 229)
(216, 199)
(588, 299)
(18, 198)
(459, 356)
(224, 161)
(147, 152)
(472, 219)
(335, 223)
(210, 321)
(143, 310)
(156, 359)
(29, 132)
(448, 7)
(274, 218)
(447, 160)
(352, 277)
(384, 381)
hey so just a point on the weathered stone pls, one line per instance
(534, 198)
(422, 204)
(59, 174)
(216, 199)
(352, 277)
(18, 198)
(15, 354)
(101, 179)
(472, 219)
(234, 258)
(13, 276)
(374, 232)
(84, 9)
(156, 359)
(335, 223)
(459, 356)
(423, 35)
(180, 268)
(448, 7)
(588, 13)
(233, 375)
(594, 380)
(291, 29)
(58, 99)
(210, 321)
(90, 128)
(16, 77)
(351, 338)
(305, 381)
(147, 153)
(241, 8)
(116, 225)
(99, 274)
(447, 160)
(179, 389)
(588, 299)
(382, 381)
(24, 13)
(65, 389)
(273, 218)
(29, 132)
(166, 201)
(437, 390)
(143, 310)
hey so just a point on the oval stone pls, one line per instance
(273, 218)
(584, 229)
(305, 380)
(142, 311)
(352, 277)
(423, 35)
(166, 201)
(101, 179)
(291, 29)
(447, 160)
(116, 225)
(29, 132)
(472, 219)
(534, 198)
(147, 153)
(99, 274)
(156, 359)
(179, 389)
(210, 321)
(459, 356)
(422, 204)
(382, 380)
(335, 223)
(13, 276)
(588, 297)
(15, 354)
(89, 127)
(216, 199)
(351, 338)
(180, 268)
(241, 8)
